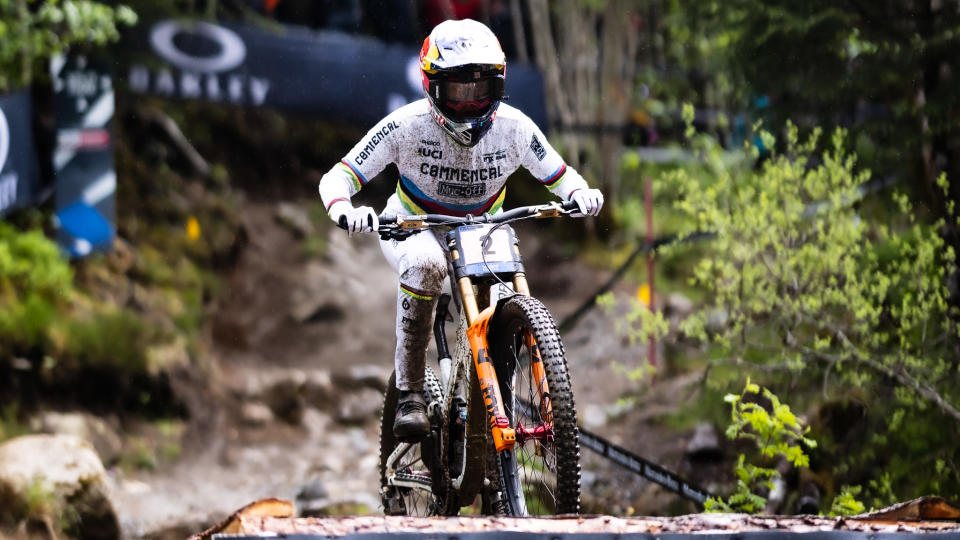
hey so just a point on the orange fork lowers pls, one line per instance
(504, 437)
(540, 376)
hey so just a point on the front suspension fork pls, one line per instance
(504, 437)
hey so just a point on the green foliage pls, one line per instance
(777, 433)
(109, 339)
(806, 286)
(846, 503)
(35, 281)
(34, 30)
(157, 444)
(800, 277)
(639, 323)
(11, 426)
(31, 264)
(37, 506)
(42, 315)
(885, 70)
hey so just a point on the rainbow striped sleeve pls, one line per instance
(416, 293)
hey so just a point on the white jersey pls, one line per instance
(440, 176)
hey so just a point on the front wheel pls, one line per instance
(541, 476)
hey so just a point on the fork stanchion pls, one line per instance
(520, 284)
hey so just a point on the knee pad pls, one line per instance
(424, 271)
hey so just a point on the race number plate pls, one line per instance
(479, 248)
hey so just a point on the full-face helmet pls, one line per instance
(463, 70)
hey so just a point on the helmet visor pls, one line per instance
(467, 99)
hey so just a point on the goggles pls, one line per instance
(461, 99)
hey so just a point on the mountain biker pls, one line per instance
(454, 151)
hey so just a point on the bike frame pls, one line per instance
(478, 323)
(485, 379)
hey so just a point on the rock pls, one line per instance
(364, 376)
(260, 384)
(360, 406)
(95, 431)
(321, 295)
(318, 389)
(316, 423)
(295, 219)
(164, 358)
(312, 491)
(122, 257)
(598, 415)
(717, 320)
(281, 390)
(288, 391)
(326, 312)
(64, 470)
(594, 415)
(678, 306)
(705, 444)
(256, 414)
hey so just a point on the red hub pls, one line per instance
(538, 433)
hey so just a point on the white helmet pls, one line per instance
(463, 70)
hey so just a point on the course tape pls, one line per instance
(642, 467)
(634, 463)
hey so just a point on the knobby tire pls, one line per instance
(541, 476)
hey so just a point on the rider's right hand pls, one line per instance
(354, 220)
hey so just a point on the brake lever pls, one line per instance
(396, 234)
(551, 210)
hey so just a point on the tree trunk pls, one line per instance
(588, 59)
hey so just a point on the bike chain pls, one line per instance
(449, 507)
(414, 478)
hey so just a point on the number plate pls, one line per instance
(477, 248)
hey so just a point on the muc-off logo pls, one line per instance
(461, 191)
(8, 182)
(537, 148)
(203, 53)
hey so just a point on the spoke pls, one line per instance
(536, 452)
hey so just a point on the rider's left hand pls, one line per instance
(590, 202)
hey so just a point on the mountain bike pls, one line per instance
(501, 407)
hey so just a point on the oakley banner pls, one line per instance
(331, 74)
(18, 166)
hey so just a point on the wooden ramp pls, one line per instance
(929, 517)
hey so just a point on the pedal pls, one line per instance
(392, 504)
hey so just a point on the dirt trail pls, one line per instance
(335, 314)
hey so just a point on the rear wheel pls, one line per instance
(541, 476)
(407, 485)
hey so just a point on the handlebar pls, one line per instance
(428, 220)
(399, 227)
